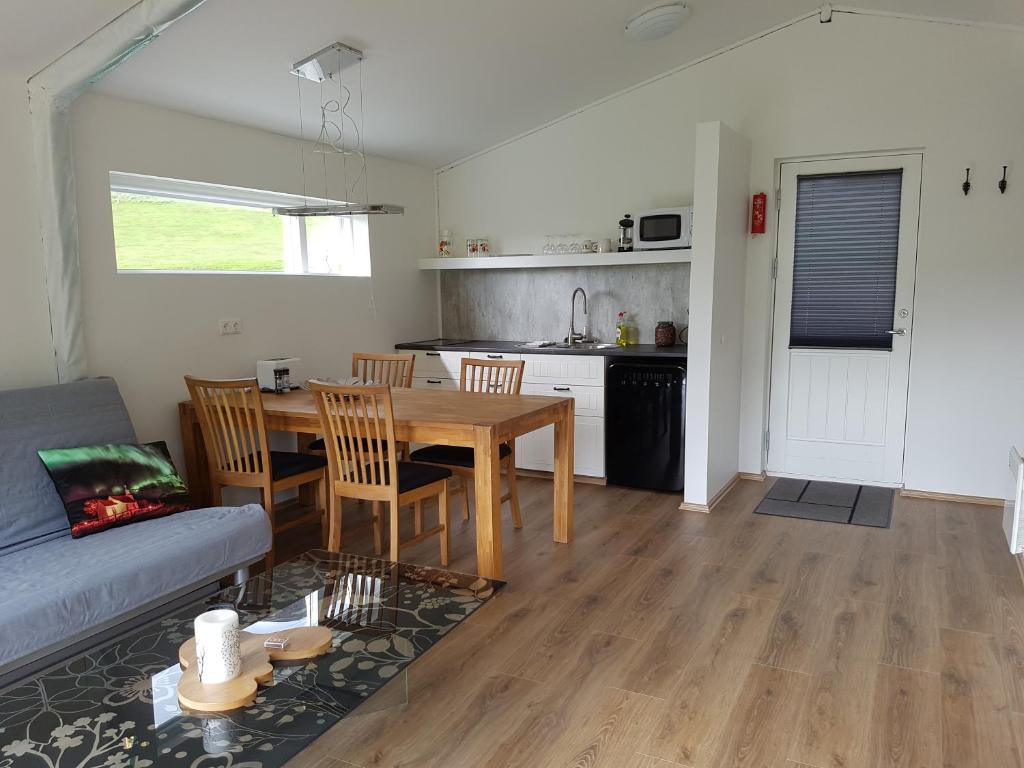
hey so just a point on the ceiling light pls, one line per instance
(656, 21)
(340, 134)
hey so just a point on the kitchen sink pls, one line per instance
(585, 345)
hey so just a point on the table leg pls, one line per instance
(564, 461)
(307, 492)
(197, 468)
(487, 481)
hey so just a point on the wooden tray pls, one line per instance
(303, 643)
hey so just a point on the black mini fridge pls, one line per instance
(645, 419)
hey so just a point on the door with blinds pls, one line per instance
(843, 318)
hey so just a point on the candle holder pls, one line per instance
(218, 647)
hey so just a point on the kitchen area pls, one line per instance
(662, 417)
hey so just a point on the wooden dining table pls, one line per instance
(441, 417)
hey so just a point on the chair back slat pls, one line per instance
(358, 425)
(494, 377)
(233, 424)
(393, 370)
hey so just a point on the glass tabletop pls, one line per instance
(116, 706)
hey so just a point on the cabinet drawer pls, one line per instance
(430, 382)
(564, 369)
(496, 356)
(589, 399)
(438, 365)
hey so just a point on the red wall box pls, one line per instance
(758, 213)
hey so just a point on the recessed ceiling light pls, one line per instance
(656, 21)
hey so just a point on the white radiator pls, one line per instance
(1014, 507)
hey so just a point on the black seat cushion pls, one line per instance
(287, 464)
(452, 455)
(412, 476)
(320, 445)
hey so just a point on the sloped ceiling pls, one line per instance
(442, 79)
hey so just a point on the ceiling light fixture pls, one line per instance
(656, 21)
(340, 134)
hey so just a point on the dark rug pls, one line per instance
(829, 502)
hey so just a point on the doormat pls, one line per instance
(829, 502)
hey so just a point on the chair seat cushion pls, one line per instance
(412, 476)
(288, 464)
(452, 455)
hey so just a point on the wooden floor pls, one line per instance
(663, 638)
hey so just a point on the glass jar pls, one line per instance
(444, 244)
(664, 334)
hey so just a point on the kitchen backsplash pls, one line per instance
(533, 304)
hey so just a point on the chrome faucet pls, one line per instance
(574, 337)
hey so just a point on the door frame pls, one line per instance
(773, 261)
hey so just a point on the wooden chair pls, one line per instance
(394, 370)
(371, 368)
(358, 424)
(496, 377)
(235, 435)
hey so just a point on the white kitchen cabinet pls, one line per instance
(580, 377)
(438, 365)
(496, 355)
(564, 369)
(427, 382)
(536, 450)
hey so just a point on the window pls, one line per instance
(844, 259)
(169, 225)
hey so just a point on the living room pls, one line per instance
(809, 557)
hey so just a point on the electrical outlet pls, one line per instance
(230, 326)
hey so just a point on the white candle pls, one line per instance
(218, 654)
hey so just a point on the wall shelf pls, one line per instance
(547, 260)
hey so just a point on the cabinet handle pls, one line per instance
(433, 354)
(433, 381)
(496, 357)
(562, 389)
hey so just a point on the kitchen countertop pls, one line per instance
(512, 347)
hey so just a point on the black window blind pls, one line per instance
(844, 260)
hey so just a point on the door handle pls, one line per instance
(897, 332)
(496, 357)
(433, 354)
(562, 389)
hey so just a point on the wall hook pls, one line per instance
(1002, 182)
(966, 186)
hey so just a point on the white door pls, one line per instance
(843, 318)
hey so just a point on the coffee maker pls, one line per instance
(626, 233)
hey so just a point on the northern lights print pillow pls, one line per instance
(104, 486)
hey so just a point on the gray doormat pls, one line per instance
(829, 502)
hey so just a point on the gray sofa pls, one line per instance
(60, 593)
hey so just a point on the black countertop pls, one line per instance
(512, 347)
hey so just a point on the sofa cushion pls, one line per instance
(85, 412)
(104, 486)
(60, 589)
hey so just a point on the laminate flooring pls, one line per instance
(660, 638)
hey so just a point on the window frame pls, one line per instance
(222, 194)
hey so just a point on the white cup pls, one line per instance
(604, 246)
(218, 649)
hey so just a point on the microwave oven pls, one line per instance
(663, 228)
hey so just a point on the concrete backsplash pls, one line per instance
(533, 304)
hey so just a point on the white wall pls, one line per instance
(721, 185)
(147, 331)
(859, 84)
(26, 349)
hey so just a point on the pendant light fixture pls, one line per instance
(340, 134)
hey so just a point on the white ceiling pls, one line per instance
(442, 79)
(35, 32)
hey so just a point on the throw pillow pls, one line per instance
(103, 486)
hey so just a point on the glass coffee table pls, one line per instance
(116, 706)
